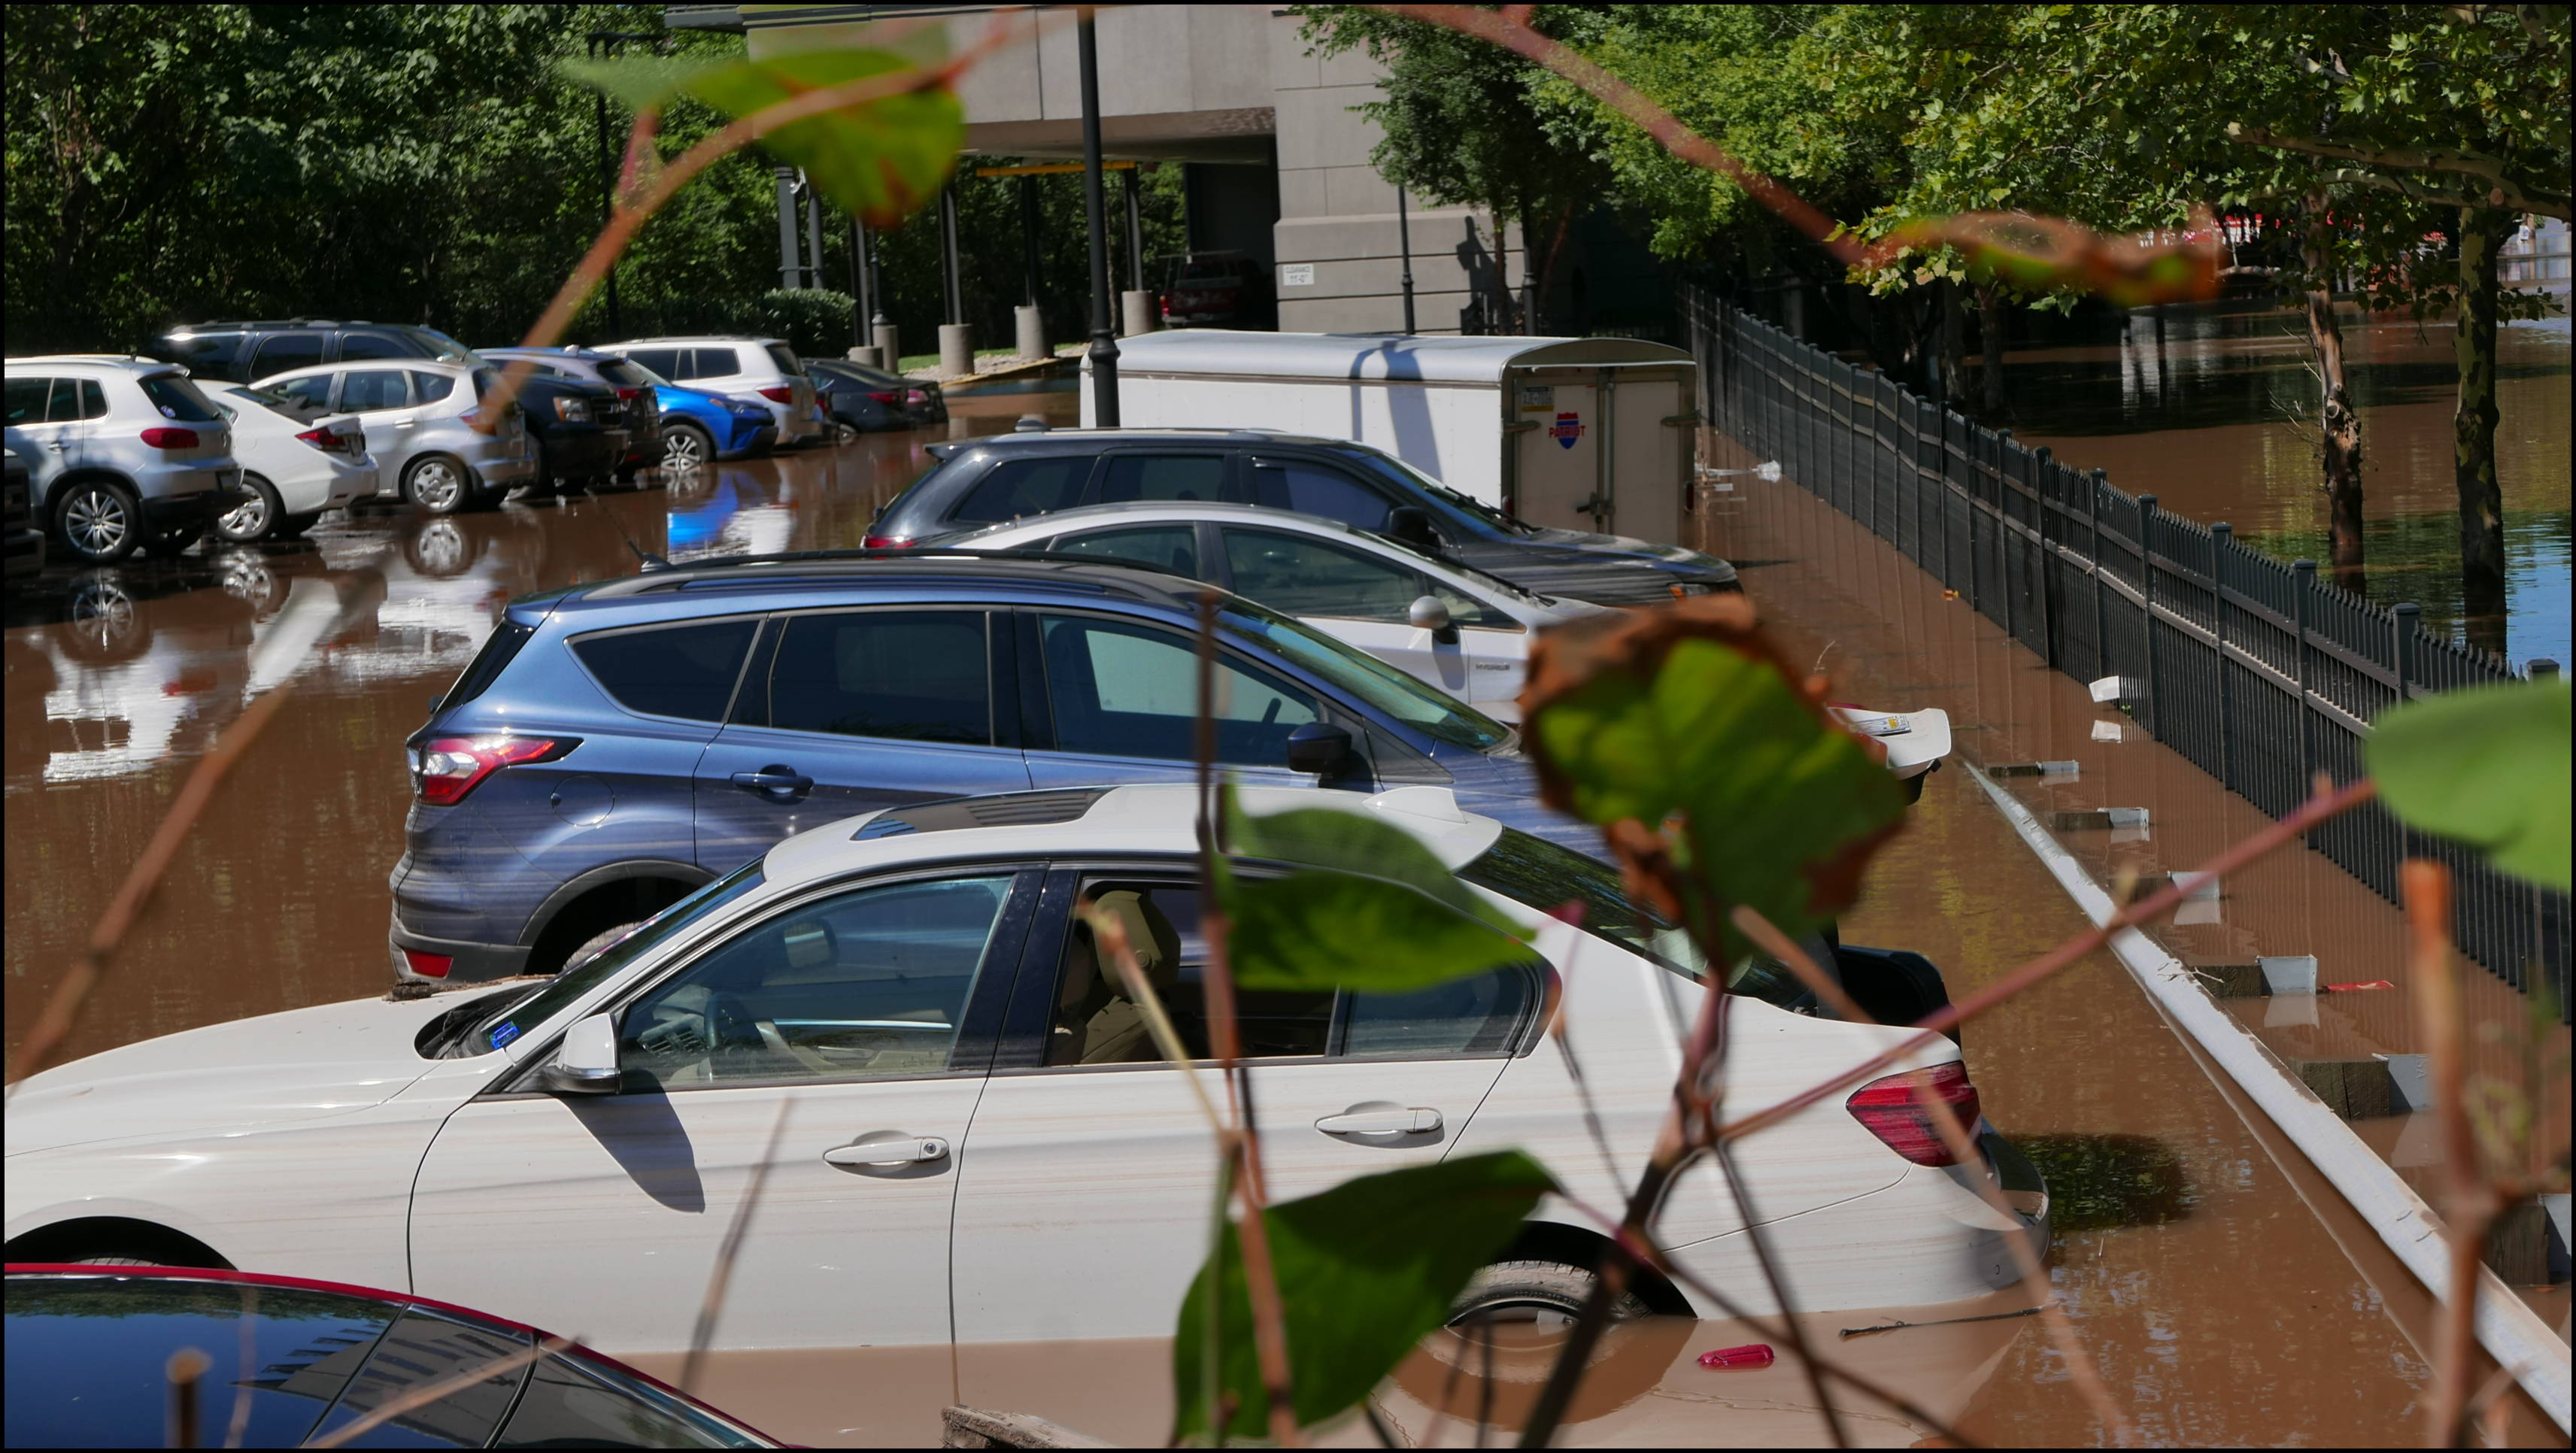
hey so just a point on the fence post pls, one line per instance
(1954, 424)
(2003, 447)
(2405, 615)
(2304, 572)
(2093, 529)
(2051, 595)
(2221, 536)
(2147, 593)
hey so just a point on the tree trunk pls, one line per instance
(1990, 347)
(1954, 346)
(2337, 422)
(2473, 427)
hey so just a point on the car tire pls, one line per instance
(1542, 1291)
(254, 519)
(99, 520)
(292, 526)
(686, 448)
(844, 432)
(439, 485)
(103, 623)
(174, 542)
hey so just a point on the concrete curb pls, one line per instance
(2509, 1330)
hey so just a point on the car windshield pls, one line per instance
(1388, 467)
(495, 1026)
(1371, 680)
(448, 349)
(1540, 875)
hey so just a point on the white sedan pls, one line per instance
(293, 470)
(1451, 625)
(966, 1139)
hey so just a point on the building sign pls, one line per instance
(1296, 274)
(1567, 429)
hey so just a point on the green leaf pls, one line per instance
(1377, 911)
(2488, 766)
(1353, 842)
(1778, 807)
(878, 160)
(1365, 1271)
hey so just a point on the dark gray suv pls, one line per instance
(988, 481)
(241, 352)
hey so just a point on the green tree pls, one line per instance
(1467, 124)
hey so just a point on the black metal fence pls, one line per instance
(2253, 669)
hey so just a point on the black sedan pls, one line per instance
(115, 1356)
(859, 399)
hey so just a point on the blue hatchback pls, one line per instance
(617, 744)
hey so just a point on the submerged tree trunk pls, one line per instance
(2473, 427)
(1990, 347)
(2337, 422)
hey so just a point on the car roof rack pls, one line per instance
(746, 569)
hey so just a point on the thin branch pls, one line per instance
(720, 1278)
(445, 1387)
(2469, 1202)
(1111, 936)
(2314, 811)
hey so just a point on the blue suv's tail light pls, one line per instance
(447, 768)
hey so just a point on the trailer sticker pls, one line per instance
(1541, 396)
(1567, 429)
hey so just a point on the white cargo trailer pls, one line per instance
(1579, 433)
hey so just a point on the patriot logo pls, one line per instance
(1567, 428)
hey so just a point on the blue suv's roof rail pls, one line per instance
(746, 569)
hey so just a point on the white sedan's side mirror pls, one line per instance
(1430, 613)
(586, 1062)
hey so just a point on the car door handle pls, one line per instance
(906, 1150)
(777, 782)
(1381, 1120)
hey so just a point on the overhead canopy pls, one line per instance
(1378, 356)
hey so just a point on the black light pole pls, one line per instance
(861, 304)
(1404, 244)
(606, 42)
(948, 253)
(1135, 232)
(1104, 341)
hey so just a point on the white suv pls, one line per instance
(126, 453)
(755, 370)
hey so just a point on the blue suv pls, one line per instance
(617, 744)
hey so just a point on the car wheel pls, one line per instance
(255, 518)
(291, 526)
(439, 485)
(844, 432)
(173, 541)
(440, 550)
(99, 520)
(686, 447)
(1544, 1293)
(115, 1261)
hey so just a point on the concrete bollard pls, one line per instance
(1137, 311)
(956, 350)
(865, 356)
(889, 348)
(1030, 326)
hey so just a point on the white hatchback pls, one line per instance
(899, 1019)
(762, 371)
(292, 470)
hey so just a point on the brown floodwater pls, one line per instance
(2210, 408)
(2226, 1297)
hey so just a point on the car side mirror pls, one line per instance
(1319, 747)
(586, 1062)
(1430, 613)
(1412, 524)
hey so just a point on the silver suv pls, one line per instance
(426, 424)
(755, 370)
(124, 453)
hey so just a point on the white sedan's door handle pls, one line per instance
(1381, 1119)
(905, 1150)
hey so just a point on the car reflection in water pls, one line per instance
(731, 512)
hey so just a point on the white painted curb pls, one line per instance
(2510, 1331)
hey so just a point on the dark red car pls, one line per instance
(1218, 290)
